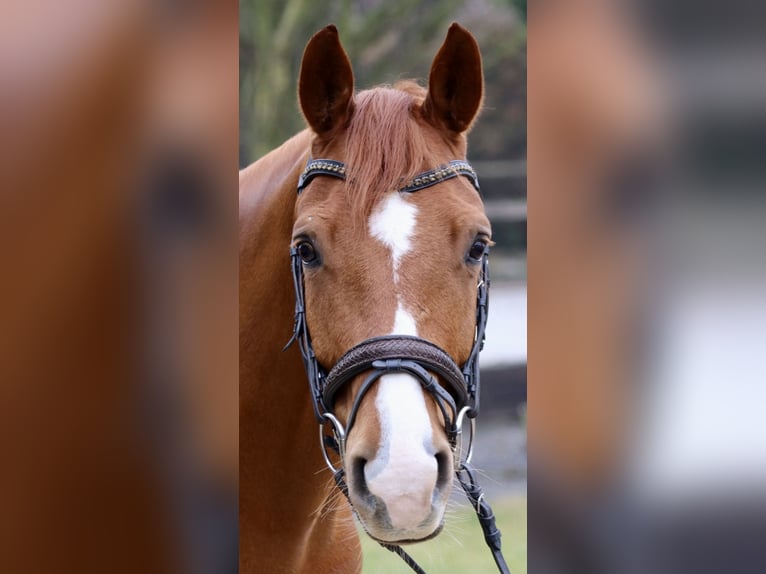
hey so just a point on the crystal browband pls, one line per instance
(337, 169)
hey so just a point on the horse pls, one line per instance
(387, 241)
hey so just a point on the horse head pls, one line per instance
(375, 257)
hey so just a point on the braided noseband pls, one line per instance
(425, 361)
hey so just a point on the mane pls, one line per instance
(385, 147)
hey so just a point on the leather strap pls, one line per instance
(316, 167)
(467, 478)
(337, 169)
(453, 169)
(392, 347)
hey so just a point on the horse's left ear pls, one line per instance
(456, 82)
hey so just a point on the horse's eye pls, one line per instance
(478, 249)
(306, 252)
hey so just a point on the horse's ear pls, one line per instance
(326, 84)
(456, 82)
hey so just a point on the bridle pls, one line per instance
(415, 356)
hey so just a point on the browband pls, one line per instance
(333, 168)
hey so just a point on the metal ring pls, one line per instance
(459, 419)
(459, 448)
(340, 437)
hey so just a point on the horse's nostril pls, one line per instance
(358, 480)
(444, 469)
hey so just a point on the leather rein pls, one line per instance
(418, 357)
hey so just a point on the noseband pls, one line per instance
(422, 359)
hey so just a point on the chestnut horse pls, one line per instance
(372, 259)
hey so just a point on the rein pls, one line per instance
(399, 353)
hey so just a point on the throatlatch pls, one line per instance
(422, 359)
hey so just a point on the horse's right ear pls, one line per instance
(326, 84)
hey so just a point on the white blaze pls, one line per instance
(404, 470)
(393, 224)
(404, 323)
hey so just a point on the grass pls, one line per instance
(460, 547)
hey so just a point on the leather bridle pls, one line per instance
(378, 356)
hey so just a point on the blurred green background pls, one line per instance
(460, 548)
